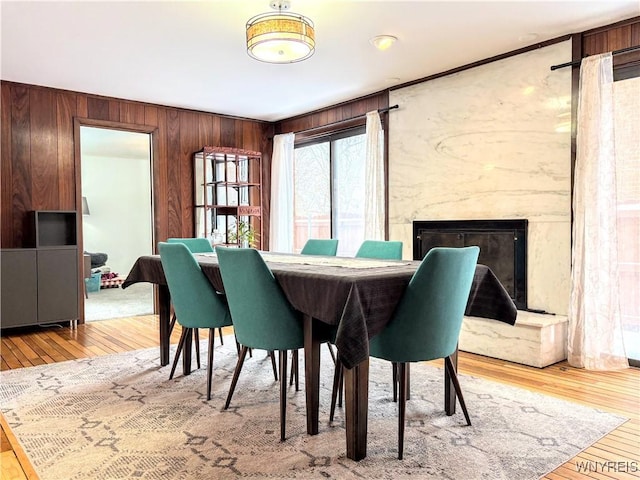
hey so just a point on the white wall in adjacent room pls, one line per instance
(118, 191)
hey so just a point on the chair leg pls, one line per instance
(212, 335)
(196, 340)
(220, 334)
(238, 348)
(337, 381)
(172, 324)
(394, 366)
(402, 373)
(273, 365)
(236, 374)
(296, 368)
(183, 336)
(294, 353)
(456, 385)
(282, 357)
(333, 355)
(295, 372)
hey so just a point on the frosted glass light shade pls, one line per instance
(280, 37)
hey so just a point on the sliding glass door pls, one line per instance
(329, 191)
(627, 126)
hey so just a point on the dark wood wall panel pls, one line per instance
(98, 109)
(227, 131)
(613, 37)
(19, 196)
(40, 171)
(44, 150)
(82, 107)
(161, 174)
(337, 113)
(132, 113)
(188, 130)
(6, 177)
(173, 170)
(65, 111)
(205, 130)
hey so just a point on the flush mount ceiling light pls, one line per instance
(383, 42)
(280, 37)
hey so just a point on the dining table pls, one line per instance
(351, 299)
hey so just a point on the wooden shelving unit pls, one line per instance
(227, 189)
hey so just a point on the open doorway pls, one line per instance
(117, 225)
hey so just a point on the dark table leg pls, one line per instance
(312, 374)
(164, 306)
(356, 392)
(449, 390)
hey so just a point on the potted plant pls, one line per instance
(244, 235)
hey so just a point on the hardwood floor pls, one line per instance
(615, 456)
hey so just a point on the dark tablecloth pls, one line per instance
(358, 302)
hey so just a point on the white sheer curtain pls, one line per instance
(374, 179)
(595, 330)
(281, 223)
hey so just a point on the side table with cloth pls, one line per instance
(356, 295)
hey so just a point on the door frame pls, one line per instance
(129, 127)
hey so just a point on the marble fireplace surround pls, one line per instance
(493, 142)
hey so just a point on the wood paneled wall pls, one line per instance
(333, 118)
(40, 171)
(613, 37)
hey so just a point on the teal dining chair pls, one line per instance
(262, 316)
(388, 250)
(320, 246)
(195, 301)
(195, 245)
(426, 323)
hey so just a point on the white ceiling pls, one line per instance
(191, 54)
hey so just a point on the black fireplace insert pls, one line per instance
(503, 247)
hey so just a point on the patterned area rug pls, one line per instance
(120, 416)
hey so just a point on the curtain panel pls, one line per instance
(374, 207)
(595, 329)
(282, 171)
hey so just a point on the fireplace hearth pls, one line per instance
(503, 247)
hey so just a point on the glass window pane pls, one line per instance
(348, 188)
(312, 194)
(627, 143)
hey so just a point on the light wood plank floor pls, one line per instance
(615, 456)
